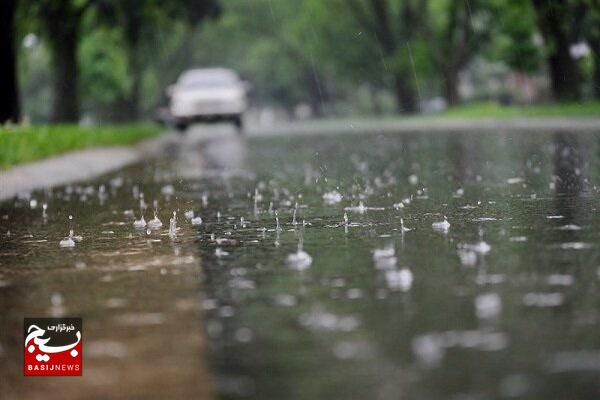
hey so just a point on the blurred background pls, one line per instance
(281, 264)
(105, 61)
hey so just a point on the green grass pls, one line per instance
(479, 110)
(495, 110)
(20, 144)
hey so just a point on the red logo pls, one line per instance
(52, 346)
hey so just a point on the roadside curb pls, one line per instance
(76, 166)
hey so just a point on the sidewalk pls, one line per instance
(75, 166)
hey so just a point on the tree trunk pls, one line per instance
(386, 36)
(405, 94)
(595, 47)
(314, 91)
(9, 97)
(377, 109)
(63, 27)
(451, 86)
(133, 21)
(453, 46)
(564, 75)
(564, 72)
(133, 101)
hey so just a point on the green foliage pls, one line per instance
(495, 110)
(35, 77)
(103, 64)
(329, 54)
(514, 35)
(24, 144)
(263, 41)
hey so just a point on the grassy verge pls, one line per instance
(23, 144)
(475, 111)
(495, 110)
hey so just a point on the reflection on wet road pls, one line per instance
(417, 266)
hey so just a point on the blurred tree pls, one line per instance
(513, 35)
(414, 39)
(366, 41)
(457, 30)
(555, 21)
(592, 34)
(61, 23)
(105, 78)
(394, 27)
(139, 21)
(266, 41)
(9, 98)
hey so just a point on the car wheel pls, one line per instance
(181, 127)
(239, 124)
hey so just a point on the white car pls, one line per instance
(207, 95)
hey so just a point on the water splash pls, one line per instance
(361, 208)
(155, 223)
(404, 228)
(442, 226)
(299, 260)
(220, 253)
(173, 225)
(401, 279)
(141, 223)
(277, 227)
(294, 217)
(488, 305)
(385, 258)
(70, 240)
(332, 197)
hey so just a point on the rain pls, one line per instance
(341, 199)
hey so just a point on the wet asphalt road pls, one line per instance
(503, 303)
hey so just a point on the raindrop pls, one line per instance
(278, 227)
(332, 197)
(220, 253)
(488, 305)
(168, 190)
(442, 226)
(70, 240)
(402, 227)
(139, 223)
(155, 223)
(173, 225)
(399, 279)
(299, 260)
(294, 217)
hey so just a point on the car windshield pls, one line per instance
(197, 80)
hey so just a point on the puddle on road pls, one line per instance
(420, 266)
